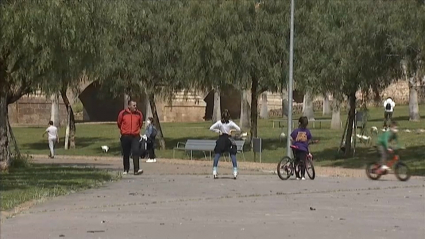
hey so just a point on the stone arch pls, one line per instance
(104, 107)
(298, 96)
(230, 98)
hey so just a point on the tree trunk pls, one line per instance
(351, 116)
(254, 107)
(336, 114)
(4, 140)
(126, 99)
(245, 118)
(264, 112)
(308, 109)
(70, 123)
(156, 122)
(217, 106)
(376, 96)
(15, 153)
(326, 106)
(413, 99)
(54, 113)
(148, 109)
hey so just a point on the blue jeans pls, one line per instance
(232, 156)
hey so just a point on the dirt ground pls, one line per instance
(179, 199)
(184, 167)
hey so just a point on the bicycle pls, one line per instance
(286, 166)
(374, 171)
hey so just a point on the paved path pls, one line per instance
(256, 205)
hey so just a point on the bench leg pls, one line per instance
(191, 154)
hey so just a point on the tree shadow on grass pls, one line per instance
(412, 156)
(398, 119)
(81, 142)
(51, 176)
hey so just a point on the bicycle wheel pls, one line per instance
(402, 171)
(284, 168)
(371, 171)
(309, 168)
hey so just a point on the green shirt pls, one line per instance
(387, 137)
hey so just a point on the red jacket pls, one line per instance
(129, 122)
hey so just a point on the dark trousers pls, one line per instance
(130, 146)
(300, 156)
(151, 148)
(388, 116)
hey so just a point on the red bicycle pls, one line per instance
(401, 170)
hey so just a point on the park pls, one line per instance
(184, 62)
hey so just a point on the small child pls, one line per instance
(300, 138)
(150, 134)
(52, 137)
(383, 143)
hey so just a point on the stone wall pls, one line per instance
(190, 107)
(34, 110)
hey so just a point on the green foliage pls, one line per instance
(142, 52)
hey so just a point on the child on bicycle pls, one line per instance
(383, 143)
(300, 138)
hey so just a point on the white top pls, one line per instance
(391, 102)
(52, 132)
(223, 127)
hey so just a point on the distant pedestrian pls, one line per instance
(52, 138)
(389, 105)
(150, 136)
(130, 121)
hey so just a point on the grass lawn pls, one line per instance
(37, 182)
(91, 136)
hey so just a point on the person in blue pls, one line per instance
(300, 138)
(150, 135)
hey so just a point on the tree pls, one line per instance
(408, 45)
(343, 46)
(258, 48)
(143, 52)
(205, 56)
(49, 44)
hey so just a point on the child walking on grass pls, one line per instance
(52, 138)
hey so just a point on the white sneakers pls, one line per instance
(215, 172)
(151, 161)
(235, 173)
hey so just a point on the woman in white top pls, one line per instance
(53, 137)
(224, 142)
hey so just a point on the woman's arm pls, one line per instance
(235, 126)
(215, 127)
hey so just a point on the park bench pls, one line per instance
(204, 145)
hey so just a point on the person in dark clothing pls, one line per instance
(225, 141)
(150, 136)
(130, 121)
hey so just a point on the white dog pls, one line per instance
(374, 130)
(104, 148)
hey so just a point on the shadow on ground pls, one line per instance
(50, 176)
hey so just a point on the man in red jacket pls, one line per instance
(130, 121)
